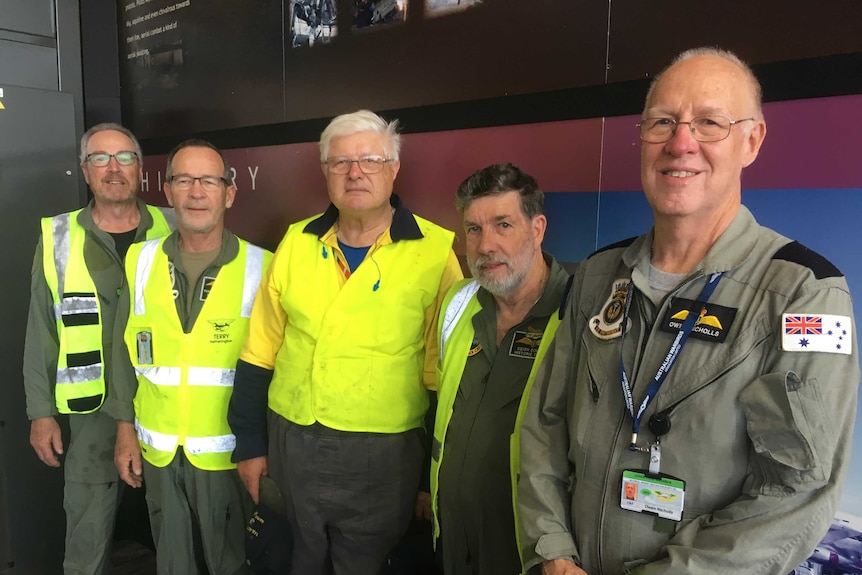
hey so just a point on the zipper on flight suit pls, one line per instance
(647, 328)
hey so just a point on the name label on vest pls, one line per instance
(221, 330)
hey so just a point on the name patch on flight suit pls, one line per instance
(712, 325)
(206, 287)
(526, 343)
(609, 323)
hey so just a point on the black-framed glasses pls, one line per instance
(208, 183)
(703, 128)
(367, 164)
(102, 159)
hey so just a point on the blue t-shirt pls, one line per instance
(353, 255)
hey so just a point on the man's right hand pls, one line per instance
(46, 441)
(250, 471)
(561, 567)
(127, 455)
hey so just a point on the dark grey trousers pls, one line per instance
(349, 496)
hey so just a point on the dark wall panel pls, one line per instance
(645, 36)
(222, 69)
(38, 178)
(28, 16)
(28, 65)
(101, 74)
(202, 66)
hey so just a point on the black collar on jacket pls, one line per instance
(403, 227)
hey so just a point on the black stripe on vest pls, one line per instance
(76, 319)
(84, 404)
(83, 359)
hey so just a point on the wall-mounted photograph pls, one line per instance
(374, 13)
(312, 22)
(440, 7)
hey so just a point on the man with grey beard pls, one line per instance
(494, 329)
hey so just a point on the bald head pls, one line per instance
(753, 91)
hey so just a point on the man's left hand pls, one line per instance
(423, 506)
(127, 455)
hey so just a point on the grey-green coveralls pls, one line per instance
(760, 435)
(91, 493)
(477, 531)
(180, 494)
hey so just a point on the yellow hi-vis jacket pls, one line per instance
(185, 379)
(80, 380)
(352, 357)
(455, 335)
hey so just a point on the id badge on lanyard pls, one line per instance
(650, 491)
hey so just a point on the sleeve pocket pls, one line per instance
(785, 422)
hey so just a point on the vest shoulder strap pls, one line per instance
(454, 311)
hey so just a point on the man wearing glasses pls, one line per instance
(330, 392)
(695, 412)
(184, 318)
(77, 271)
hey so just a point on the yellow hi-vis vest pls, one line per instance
(80, 379)
(455, 336)
(185, 380)
(352, 357)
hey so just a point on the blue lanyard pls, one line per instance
(669, 360)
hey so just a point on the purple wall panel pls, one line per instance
(810, 144)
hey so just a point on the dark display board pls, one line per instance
(646, 35)
(203, 65)
(193, 66)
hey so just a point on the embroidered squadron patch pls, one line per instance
(712, 325)
(475, 348)
(827, 333)
(526, 343)
(609, 323)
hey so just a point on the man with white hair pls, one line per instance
(694, 415)
(330, 392)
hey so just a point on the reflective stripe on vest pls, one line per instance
(454, 311)
(75, 304)
(171, 376)
(60, 227)
(194, 445)
(253, 275)
(142, 273)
